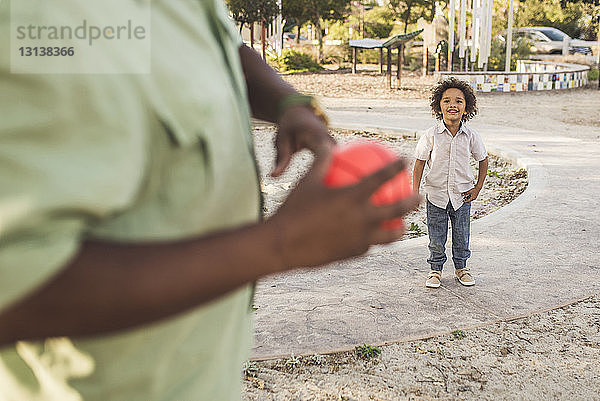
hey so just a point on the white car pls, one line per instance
(548, 40)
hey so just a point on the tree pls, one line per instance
(247, 12)
(314, 11)
(295, 10)
(379, 22)
(568, 16)
(409, 11)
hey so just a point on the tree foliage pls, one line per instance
(521, 49)
(575, 18)
(409, 11)
(379, 22)
(315, 11)
(250, 11)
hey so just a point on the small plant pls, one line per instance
(458, 334)
(493, 173)
(292, 362)
(415, 228)
(250, 369)
(318, 359)
(593, 74)
(367, 351)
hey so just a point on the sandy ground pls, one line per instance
(551, 355)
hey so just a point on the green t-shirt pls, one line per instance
(128, 158)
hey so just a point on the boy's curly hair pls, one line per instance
(464, 87)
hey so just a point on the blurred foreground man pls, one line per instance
(130, 227)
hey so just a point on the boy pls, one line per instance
(446, 148)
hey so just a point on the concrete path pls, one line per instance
(539, 252)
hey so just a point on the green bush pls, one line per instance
(338, 54)
(370, 56)
(520, 51)
(415, 63)
(593, 74)
(295, 61)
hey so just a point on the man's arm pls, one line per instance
(417, 174)
(108, 287)
(266, 88)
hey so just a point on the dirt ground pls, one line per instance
(552, 355)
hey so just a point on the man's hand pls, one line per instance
(300, 128)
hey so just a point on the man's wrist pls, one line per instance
(298, 99)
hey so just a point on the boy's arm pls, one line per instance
(472, 194)
(417, 174)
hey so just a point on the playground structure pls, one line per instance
(395, 42)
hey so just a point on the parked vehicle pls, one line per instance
(290, 38)
(548, 40)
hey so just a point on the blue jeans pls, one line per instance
(437, 225)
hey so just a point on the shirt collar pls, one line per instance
(441, 127)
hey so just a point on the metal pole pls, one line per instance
(476, 31)
(485, 34)
(389, 68)
(279, 29)
(399, 69)
(509, 36)
(425, 59)
(451, 12)
(489, 30)
(462, 29)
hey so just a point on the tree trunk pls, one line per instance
(298, 35)
(401, 48)
(263, 39)
(320, 38)
(252, 35)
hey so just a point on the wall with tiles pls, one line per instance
(530, 75)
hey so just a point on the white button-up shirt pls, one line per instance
(450, 174)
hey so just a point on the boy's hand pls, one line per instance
(471, 194)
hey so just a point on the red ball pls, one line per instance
(353, 162)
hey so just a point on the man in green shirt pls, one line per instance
(130, 228)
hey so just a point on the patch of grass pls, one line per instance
(458, 334)
(367, 351)
(415, 228)
(493, 173)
